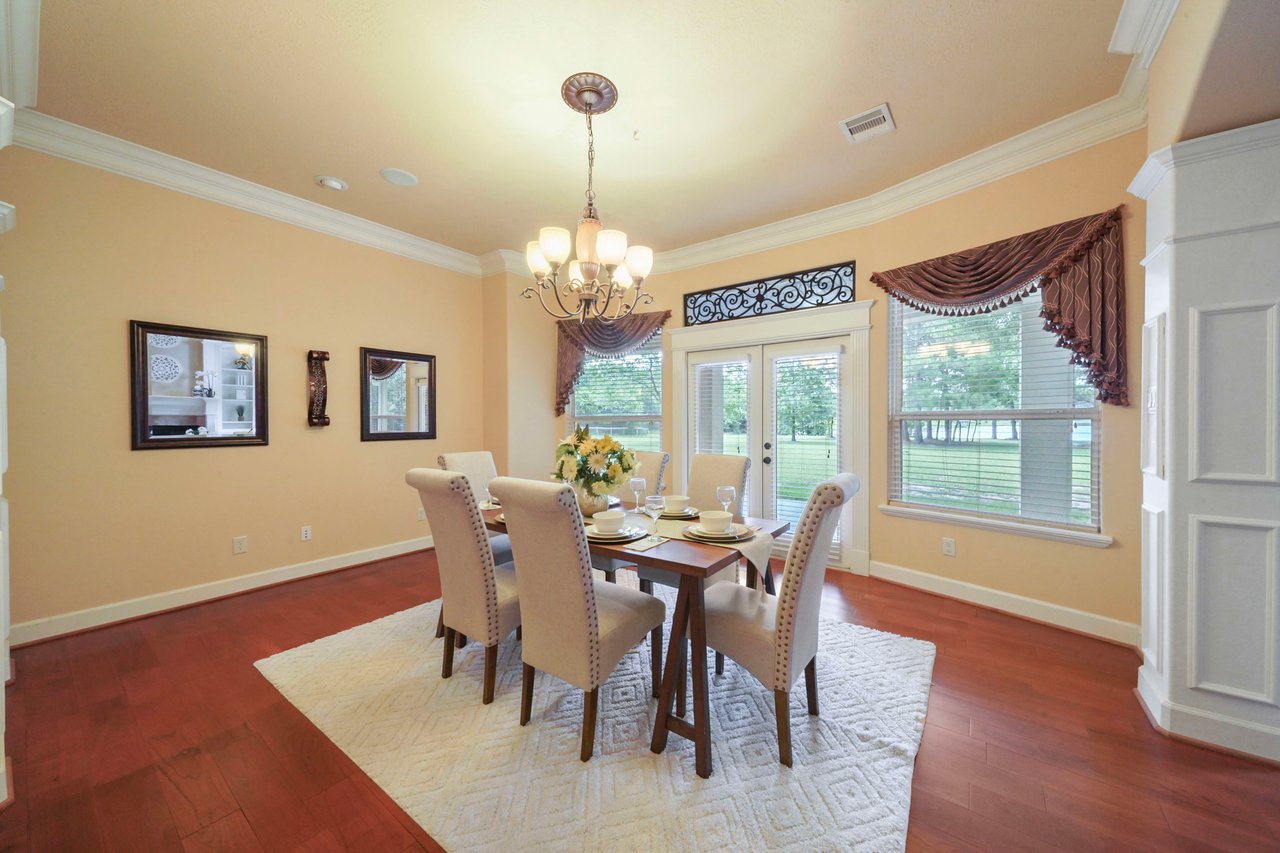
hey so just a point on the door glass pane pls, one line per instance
(721, 403)
(806, 441)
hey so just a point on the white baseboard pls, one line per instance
(1081, 621)
(1206, 727)
(66, 623)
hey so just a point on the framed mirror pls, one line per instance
(196, 387)
(397, 395)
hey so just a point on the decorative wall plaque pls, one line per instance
(318, 386)
(813, 288)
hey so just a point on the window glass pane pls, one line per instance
(806, 449)
(622, 397)
(952, 445)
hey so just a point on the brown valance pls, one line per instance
(383, 368)
(1079, 268)
(609, 340)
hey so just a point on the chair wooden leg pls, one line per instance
(519, 632)
(646, 586)
(440, 623)
(768, 581)
(590, 703)
(526, 694)
(782, 708)
(811, 685)
(611, 577)
(655, 655)
(751, 576)
(490, 672)
(462, 640)
(719, 663)
(446, 666)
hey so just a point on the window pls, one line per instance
(988, 416)
(622, 396)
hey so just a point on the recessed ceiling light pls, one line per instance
(399, 177)
(329, 182)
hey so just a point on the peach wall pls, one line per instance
(1100, 581)
(94, 522)
(1177, 68)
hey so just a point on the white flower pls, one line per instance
(599, 487)
(568, 468)
(597, 462)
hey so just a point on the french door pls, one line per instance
(783, 406)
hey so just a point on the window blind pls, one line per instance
(622, 396)
(806, 431)
(989, 416)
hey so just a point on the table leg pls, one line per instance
(675, 648)
(701, 699)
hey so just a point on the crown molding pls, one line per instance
(49, 135)
(1122, 113)
(8, 217)
(19, 50)
(503, 260)
(1225, 144)
(1141, 27)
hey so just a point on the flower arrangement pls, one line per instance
(597, 466)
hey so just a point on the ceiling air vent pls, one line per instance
(865, 125)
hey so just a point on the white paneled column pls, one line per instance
(1211, 440)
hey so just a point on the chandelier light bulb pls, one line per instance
(622, 277)
(554, 243)
(611, 247)
(538, 264)
(640, 262)
(575, 273)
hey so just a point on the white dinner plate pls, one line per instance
(626, 534)
(738, 533)
(689, 512)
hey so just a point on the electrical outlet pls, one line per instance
(422, 514)
(305, 536)
(948, 547)
(240, 545)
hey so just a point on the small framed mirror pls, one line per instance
(196, 387)
(397, 395)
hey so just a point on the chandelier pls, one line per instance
(603, 281)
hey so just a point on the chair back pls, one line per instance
(557, 591)
(799, 600)
(710, 470)
(653, 467)
(462, 551)
(477, 465)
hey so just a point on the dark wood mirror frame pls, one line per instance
(366, 432)
(140, 379)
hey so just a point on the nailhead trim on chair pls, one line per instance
(462, 486)
(825, 498)
(569, 501)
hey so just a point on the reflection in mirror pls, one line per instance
(397, 395)
(197, 387)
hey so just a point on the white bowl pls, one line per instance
(716, 521)
(609, 521)
(676, 503)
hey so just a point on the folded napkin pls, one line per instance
(757, 550)
(644, 544)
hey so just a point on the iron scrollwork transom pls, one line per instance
(813, 288)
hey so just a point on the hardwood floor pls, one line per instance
(160, 735)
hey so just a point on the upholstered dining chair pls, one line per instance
(575, 627)
(483, 599)
(776, 637)
(478, 467)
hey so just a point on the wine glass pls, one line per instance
(653, 507)
(637, 485)
(726, 494)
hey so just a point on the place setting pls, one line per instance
(610, 527)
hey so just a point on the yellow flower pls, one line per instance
(606, 444)
(568, 468)
(587, 447)
(596, 462)
(615, 471)
(599, 487)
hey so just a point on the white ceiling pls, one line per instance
(727, 118)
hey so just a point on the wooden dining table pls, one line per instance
(694, 562)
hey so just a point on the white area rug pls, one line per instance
(475, 780)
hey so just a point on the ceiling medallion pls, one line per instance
(603, 281)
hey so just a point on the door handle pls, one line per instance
(767, 460)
